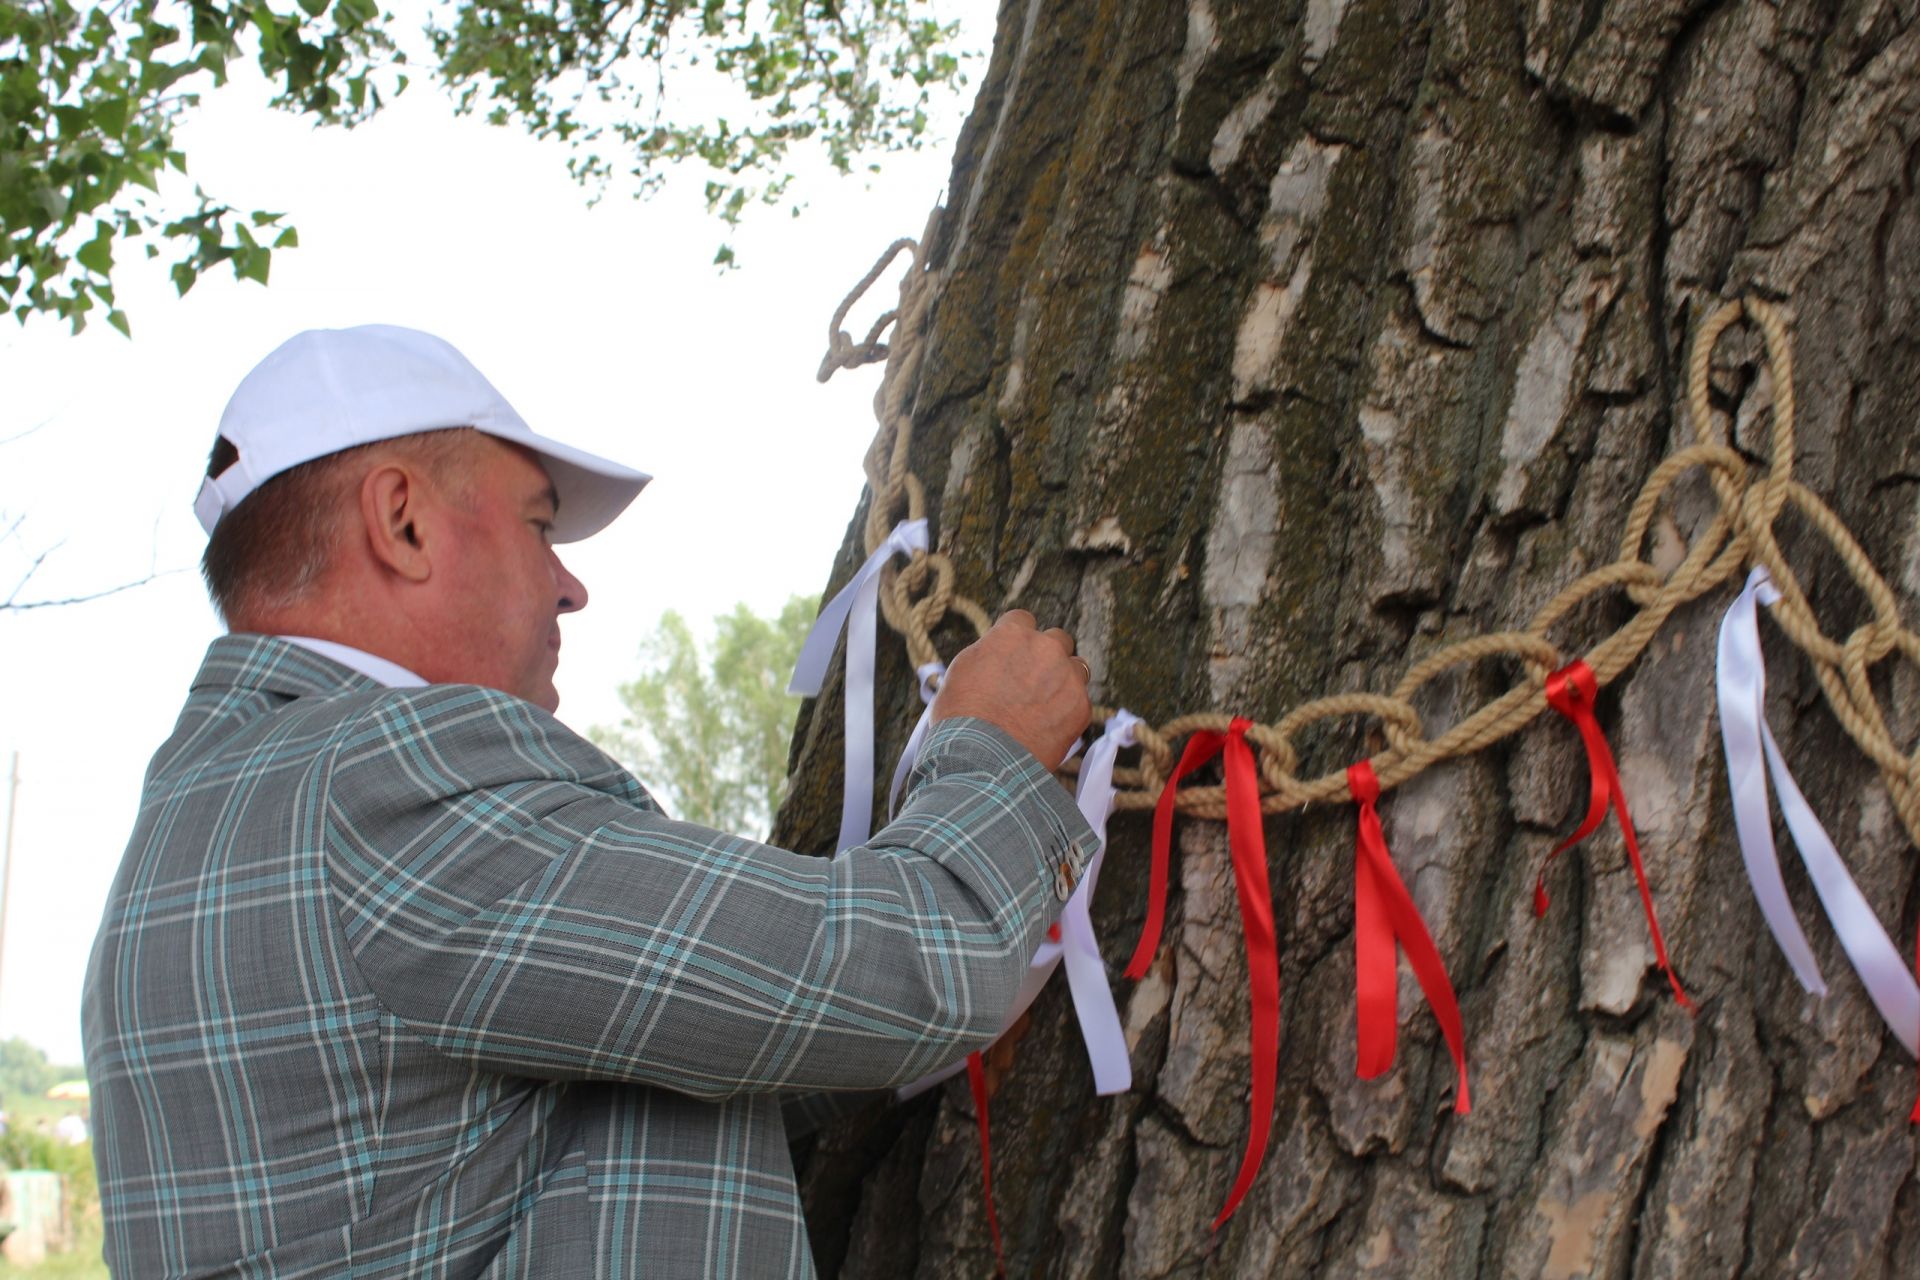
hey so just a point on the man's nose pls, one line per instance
(573, 592)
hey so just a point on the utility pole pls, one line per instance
(6, 860)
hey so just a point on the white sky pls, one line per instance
(607, 327)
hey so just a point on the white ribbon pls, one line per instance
(1742, 679)
(854, 608)
(1086, 973)
(910, 754)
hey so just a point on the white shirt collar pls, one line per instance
(371, 665)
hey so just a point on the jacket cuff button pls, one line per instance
(1064, 880)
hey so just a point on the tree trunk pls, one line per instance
(1281, 342)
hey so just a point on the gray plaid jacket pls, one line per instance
(417, 982)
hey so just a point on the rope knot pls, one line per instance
(842, 351)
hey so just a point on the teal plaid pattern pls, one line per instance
(417, 982)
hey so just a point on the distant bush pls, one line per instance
(23, 1148)
(24, 1069)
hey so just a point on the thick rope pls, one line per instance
(918, 597)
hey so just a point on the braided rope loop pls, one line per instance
(1749, 500)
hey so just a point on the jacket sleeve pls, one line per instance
(517, 900)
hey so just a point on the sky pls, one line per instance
(605, 326)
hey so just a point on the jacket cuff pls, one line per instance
(966, 744)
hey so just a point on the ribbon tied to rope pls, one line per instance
(854, 609)
(1072, 940)
(1386, 922)
(929, 675)
(1572, 691)
(977, 1085)
(1247, 846)
(1741, 680)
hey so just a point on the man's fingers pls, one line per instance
(1004, 680)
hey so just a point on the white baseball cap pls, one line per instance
(330, 389)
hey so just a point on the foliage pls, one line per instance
(24, 1147)
(850, 75)
(29, 1142)
(708, 727)
(91, 100)
(24, 1070)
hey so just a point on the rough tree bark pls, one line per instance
(1283, 341)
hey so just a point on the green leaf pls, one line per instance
(288, 239)
(96, 255)
(252, 264)
(110, 115)
(118, 319)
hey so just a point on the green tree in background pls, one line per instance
(707, 727)
(25, 1071)
(91, 99)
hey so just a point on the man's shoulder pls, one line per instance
(463, 737)
(265, 688)
(297, 679)
(449, 716)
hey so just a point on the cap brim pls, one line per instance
(592, 490)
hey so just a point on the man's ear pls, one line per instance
(391, 507)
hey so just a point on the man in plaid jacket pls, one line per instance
(400, 977)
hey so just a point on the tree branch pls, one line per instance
(22, 435)
(11, 605)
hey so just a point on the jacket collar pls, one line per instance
(271, 665)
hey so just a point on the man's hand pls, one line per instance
(1023, 680)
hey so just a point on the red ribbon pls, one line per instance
(1571, 691)
(1201, 747)
(1386, 921)
(977, 1080)
(1246, 841)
